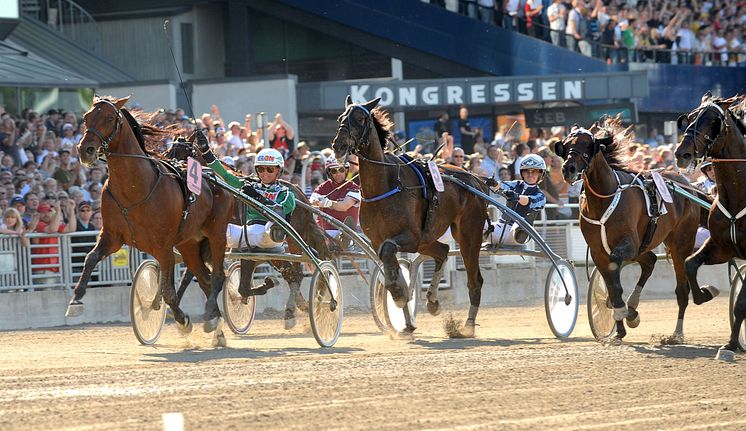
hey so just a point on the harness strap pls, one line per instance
(383, 196)
(733, 220)
(125, 210)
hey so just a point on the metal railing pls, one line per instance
(66, 17)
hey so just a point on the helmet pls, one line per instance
(331, 162)
(269, 157)
(533, 161)
(704, 166)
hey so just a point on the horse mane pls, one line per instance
(618, 139)
(151, 134)
(383, 123)
(738, 113)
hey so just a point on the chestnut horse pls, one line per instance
(143, 206)
(712, 130)
(615, 236)
(393, 213)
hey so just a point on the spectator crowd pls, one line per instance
(700, 32)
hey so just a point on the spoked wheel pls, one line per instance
(600, 311)
(378, 298)
(394, 316)
(561, 306)
(326, 314)
(735, 288)
(238, 316)
(147, 309)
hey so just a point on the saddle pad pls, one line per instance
(660, 184)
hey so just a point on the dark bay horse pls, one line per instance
(393, 213)
(143, 206)
(614, 219)
(712, 130)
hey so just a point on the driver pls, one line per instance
(523, 196)
(337, 197)
(260, 232)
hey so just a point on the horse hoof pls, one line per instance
(186, 328)
(613, 341)
(433, 308)
(210, 325)
(401, 301)
(468, 330)
(75, 309)
(712, 290)
(726, 354)
(620, 313)
(289, 319)
(218, 340)
(633, 319)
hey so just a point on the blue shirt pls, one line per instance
(536, 198)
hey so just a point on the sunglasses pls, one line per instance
(267, 169)
(458, 157)
(336, 170)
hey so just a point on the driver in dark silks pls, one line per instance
(524, 197)
(259, 232)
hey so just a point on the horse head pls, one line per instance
(102, 124)
(355, 127)
(701, 127)
(578, 149)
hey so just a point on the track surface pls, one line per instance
(514, 375)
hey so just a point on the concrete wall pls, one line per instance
(238, 98)
(150, 96)
(506, 285)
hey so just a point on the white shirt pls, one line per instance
(512, 7)
(554, 10)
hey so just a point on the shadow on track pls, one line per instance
(680, 351)
(196, 355)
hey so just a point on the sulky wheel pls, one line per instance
(560, 305)
(147, 309)
(600, 311)
(378, 298)
(326, 314)
(238, 316)
(735, 288)
(394, 316)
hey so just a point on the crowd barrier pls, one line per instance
(44, 266)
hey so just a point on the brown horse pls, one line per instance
(712, 130)
(615, 236)
(302, 221)
(394, 214)
(143, 206)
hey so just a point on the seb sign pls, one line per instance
(472, 92)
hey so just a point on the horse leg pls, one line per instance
(468, 233)
(195, 268)
(106, 245)
(439, 252)
(647, 263)
(166, 283)
(727, 352)
(216, 249)
(293, 274)
(186, 278)
(708, 254)
(394, 281)
(625, 250)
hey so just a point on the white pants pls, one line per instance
(702, 235)
(256, 234)
(505, 234)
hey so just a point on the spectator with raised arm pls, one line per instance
(280, 135)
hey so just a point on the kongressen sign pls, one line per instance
(469, 93)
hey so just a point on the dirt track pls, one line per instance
(514, 375)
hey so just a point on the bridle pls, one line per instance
(103, 149)
(692, 131)
(362, 141)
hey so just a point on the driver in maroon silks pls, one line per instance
(337, 197)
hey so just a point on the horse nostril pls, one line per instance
(90, 151)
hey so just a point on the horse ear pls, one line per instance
(682, 123)
(95, 97)
(707, 96)
(559, 149)
(574, 127)
(123, 101)
(372, 104)
(604, 141)
(348, 101)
